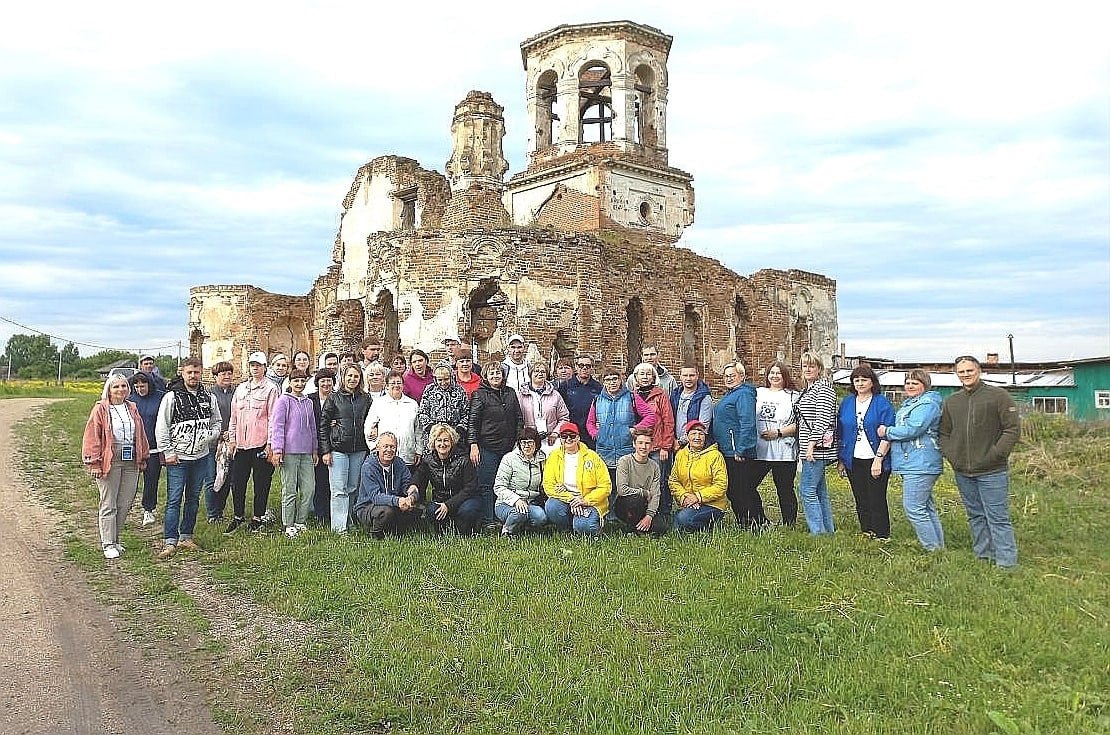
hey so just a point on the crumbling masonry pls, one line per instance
(577, 252)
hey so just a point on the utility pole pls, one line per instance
(179, 356)
(59, 367)
(1013, 366)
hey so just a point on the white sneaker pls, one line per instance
(291, 531)
(148, 517)
(120, 548)
(111, 552)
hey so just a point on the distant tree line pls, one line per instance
(35, 357)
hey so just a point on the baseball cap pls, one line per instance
(259, 357)
(517, 338)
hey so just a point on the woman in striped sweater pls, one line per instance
(816, 410)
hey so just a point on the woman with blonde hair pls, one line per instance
(816, 428)
(114, 449)
(447, 472)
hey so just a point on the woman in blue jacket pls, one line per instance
(915, 455)
(863, 453)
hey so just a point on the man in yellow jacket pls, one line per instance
(699, 482)
(577, 485)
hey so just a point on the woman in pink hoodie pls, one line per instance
(543, 407)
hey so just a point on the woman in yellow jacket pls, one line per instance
(577, 485)
(699, 482)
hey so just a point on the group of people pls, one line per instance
(387, 447)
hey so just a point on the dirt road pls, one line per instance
(64, 667)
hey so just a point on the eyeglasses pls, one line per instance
(527, 442)
(612, 377)
(568, 437)
(584, 364)
(966, 358)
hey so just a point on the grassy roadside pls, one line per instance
(780, 632)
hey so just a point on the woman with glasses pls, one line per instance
(542, 407)
(519, 485)
(862, 456)
(577, 484)
(816, 411)
(915, 455)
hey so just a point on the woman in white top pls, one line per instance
(396, 413)
(776, 450)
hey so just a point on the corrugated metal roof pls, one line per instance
(1034, 379)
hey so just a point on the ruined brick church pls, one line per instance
(577, 252)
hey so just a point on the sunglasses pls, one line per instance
(568, 437)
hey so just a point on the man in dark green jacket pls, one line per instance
(979, 427)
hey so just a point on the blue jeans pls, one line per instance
(346, 473)
(465, 517)
(921, 510)
(697, 519)
(488, 462)
(514, 521)
(186, 478)
(559, 514)
(151, 475)
(986, 499)
(815, 497)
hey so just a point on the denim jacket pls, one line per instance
(914, 443)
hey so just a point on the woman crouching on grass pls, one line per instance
(448, 472)
(115, 450)
(699, 482)
(293, 442)
(519, 484)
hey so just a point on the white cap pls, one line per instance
(452, 338)
(259, 357)
(516, 338)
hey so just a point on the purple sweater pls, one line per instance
(294, 425)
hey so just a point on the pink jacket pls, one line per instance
(96, 445)
(252, 407)
(552, 407)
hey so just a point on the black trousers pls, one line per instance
(870, 495)
(631, 509)
(742, 493)
(783, 475)
(245, 463)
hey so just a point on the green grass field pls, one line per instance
(726, 633)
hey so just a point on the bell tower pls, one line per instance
(597, 102)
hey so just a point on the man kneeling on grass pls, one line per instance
(388, 502)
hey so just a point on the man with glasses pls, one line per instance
(387, 502)
(979, 427)
(577, 485)
(579, 392)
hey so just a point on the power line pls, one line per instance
(143, 350)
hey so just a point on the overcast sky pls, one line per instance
(948, 165)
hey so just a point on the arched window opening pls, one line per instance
(595, 104)
(643, 103)
(634, 343)
(691, 336)
(546, 115)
